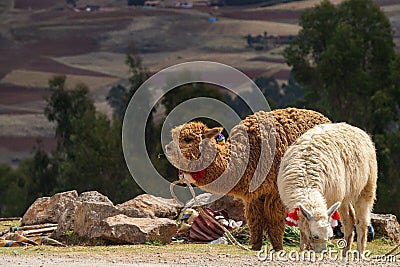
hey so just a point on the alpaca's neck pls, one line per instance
(218, 172)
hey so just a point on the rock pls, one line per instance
(94, 196)
(38, 213)
(234, 207)
(66, 218)
(149, 206)
(386, 225)
(122, 229)
(88, 217)
(48, 209)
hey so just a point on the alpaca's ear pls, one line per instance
(333, 208)
(305, 212)
(211, 133)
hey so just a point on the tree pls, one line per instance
(89, 152)
(119, 96)
(344, 58)
(64, 105)
(95, 160)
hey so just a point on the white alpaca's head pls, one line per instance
(316, 227)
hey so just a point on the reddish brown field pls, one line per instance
(14, 95)
(26, 144)
(266, 15)
(35, 4)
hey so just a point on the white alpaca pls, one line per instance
(331, 165)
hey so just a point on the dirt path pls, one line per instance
(162, 259)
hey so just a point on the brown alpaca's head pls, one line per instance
(191, 145)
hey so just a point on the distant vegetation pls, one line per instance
(267, 42)
(6, 4)
(344, 65)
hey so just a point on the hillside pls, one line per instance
(41, 38)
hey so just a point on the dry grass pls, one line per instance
(232, 27)
(103, 62)
(38, 79)
(25, 125)
(300, 5)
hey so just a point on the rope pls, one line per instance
(393, 250)
(229, 236)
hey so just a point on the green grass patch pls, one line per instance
(5, 225)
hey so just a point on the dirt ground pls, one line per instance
(165, 259)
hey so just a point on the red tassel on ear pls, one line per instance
(336, 215)
(292, 217)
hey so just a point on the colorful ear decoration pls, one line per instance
(334, 219)
(292, 217)
(220, 139)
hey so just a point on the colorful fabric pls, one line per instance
(10, 243)
(202, 229)
(17, 239)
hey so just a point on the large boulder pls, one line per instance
(66, 218)
(49, 209)
(386, 225)
(126, 230)
(88, 217)
(149, 206)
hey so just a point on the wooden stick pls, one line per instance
(4, 232)
(37, 226)
(10, 219)
(39, 231)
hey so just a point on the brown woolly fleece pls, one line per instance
(264, 209)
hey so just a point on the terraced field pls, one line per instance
(39, 39)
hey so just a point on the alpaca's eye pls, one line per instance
(187, 140)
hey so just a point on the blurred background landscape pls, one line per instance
(96, 53)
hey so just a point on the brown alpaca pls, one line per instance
(264, 209)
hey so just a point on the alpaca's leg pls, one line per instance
(254, 210)
(347, 218)
(362, 222)
(363, 208)
(275, 219)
